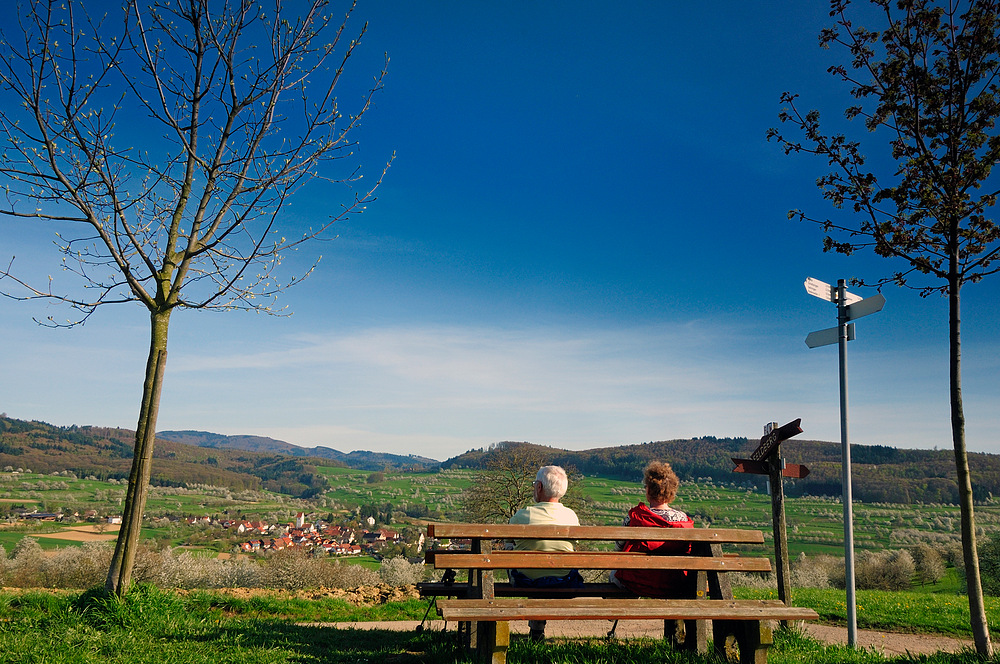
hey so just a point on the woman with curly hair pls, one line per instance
(661, 488)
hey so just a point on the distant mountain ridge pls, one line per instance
(357, 459)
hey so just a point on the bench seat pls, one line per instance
(619, 609)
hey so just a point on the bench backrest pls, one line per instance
(611, 533)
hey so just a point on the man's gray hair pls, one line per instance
(553, 480)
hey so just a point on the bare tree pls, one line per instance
(226, 109)
(503, 486)
(928, 84)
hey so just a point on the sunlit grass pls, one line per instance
(931, 613)
(157, 627)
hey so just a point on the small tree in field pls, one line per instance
(503, 486)
(929, 563)
(928, 85)
(162, 142)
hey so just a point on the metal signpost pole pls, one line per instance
(852, 610)
(850, 307)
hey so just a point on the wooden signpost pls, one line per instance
(766, 460)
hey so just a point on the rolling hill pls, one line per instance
(356, 459)
(880, 473)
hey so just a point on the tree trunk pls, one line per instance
(120, 573)
(977, 608)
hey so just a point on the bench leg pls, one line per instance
(753, 637)
(687, 634)
(490, 640)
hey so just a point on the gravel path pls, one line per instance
(889, 643)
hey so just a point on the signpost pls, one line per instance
(849, 307)
(766, 460)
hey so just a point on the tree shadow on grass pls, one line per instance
(329, 645)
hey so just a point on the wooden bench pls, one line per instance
(483, 607)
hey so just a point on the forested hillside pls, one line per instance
(881, 474)
(107, 453)
(356, 459)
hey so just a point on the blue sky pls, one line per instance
(582, 242)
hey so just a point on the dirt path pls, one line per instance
(888, 643)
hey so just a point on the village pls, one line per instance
(333, 540)
(260, 537)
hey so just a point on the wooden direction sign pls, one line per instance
(775, 437)
(793, 470)
(765, 461)
(757, 464)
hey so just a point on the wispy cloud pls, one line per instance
(468, 386)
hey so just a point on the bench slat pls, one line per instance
(619, 609)
(460, 589)
(518, 531)
(594, 560)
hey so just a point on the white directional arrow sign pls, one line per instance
(825, 291)
(869, 305)
(828, 336)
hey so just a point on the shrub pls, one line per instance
(25, 568)
(820, 571)
(400, 572)
(929, 563)
(989, 564)
(292, 569)
(80, 567)
(883, 570)
(344, 575)
(812, 572)
(898, 571)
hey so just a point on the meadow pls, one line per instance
(815, 524)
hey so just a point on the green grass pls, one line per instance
(931, 613)
(951, 584)
(325, 609)
(156, 627)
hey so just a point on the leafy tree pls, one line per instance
(927, 84)
(163, 142)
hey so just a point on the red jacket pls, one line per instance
(655, 582)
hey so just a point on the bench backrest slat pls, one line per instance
(594, 560)
(512, 531)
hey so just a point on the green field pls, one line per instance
(157, 626)
(815, 524)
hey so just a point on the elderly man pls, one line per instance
(549, 486)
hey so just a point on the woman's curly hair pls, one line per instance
(661, 482)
